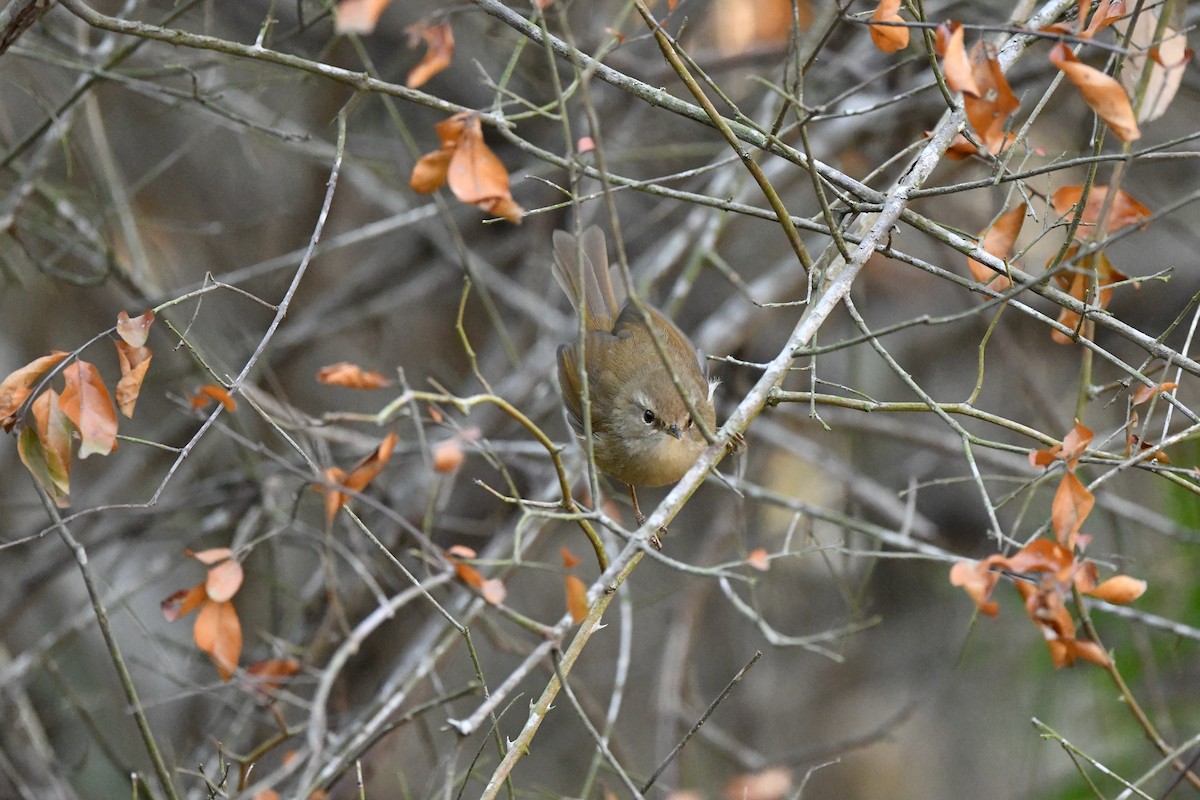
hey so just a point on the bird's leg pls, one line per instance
(655, 542)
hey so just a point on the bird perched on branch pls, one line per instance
(644, 405)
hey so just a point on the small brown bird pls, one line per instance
(642, 431)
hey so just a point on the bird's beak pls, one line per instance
(674, 431)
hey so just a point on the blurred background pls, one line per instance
(140, 174)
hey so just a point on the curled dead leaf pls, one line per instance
(892, 36)
(1103, 93)
(358, 16)
(183, 602)
(351, 376)
(998, 240)
(218, 632)
(577, 601)
(86, 402)
(1119, 589)
(135, 331)
(759, 560)
(448, 455)
(977, 580)
(439, 51)
(17, 386)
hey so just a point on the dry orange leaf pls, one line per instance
(888, 38)
(1124, 209)
(214, 555)
(334, 499)
(1101, 92)
(1119, 589)
(1144, 393)
(86, 402)
(358, 16)
(978, 581)
(183, 602)
(759, 560)
(210, 392)
(999, 241)
(1075, 443)
(224, 580)
(569, 559)
(493, 591)
(16, 387)
(134, 361)
(957, 68)
(439, 51)
(990, 108)
(351, 376)
(577, 601)
(1107, 13)
(366, 470)
(429, 173)
(474, 173)
(45, 448)
(1072, 504)
(218, 632)
(448, 455)
(460, 551)
(134, 331)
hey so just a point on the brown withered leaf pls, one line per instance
(439, 51)
(134, 331)
(224, 580)
(134, 361)
(493, 591)
(334, 498)
(16, 387)
(45, 448)
(365, 471)
(1124, 210)
(999, 240)
(1119, 589)
(888, 38)
(448, 455)
(988, 111)
(210, 392)
(957, 67)
(1107, 13)
(1144, 393)
(351, 376)
(1040, 459)
(1076, 443)
(759, 560)
(1103, 93)
(88, 405)
(1072, 504)
(577, 601)
(358, 16)
(978, 580)
(474, 173)
(429, 173)
(218, 632)
(183, 602)
(960, 148)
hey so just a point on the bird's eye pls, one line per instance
(648, 417)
